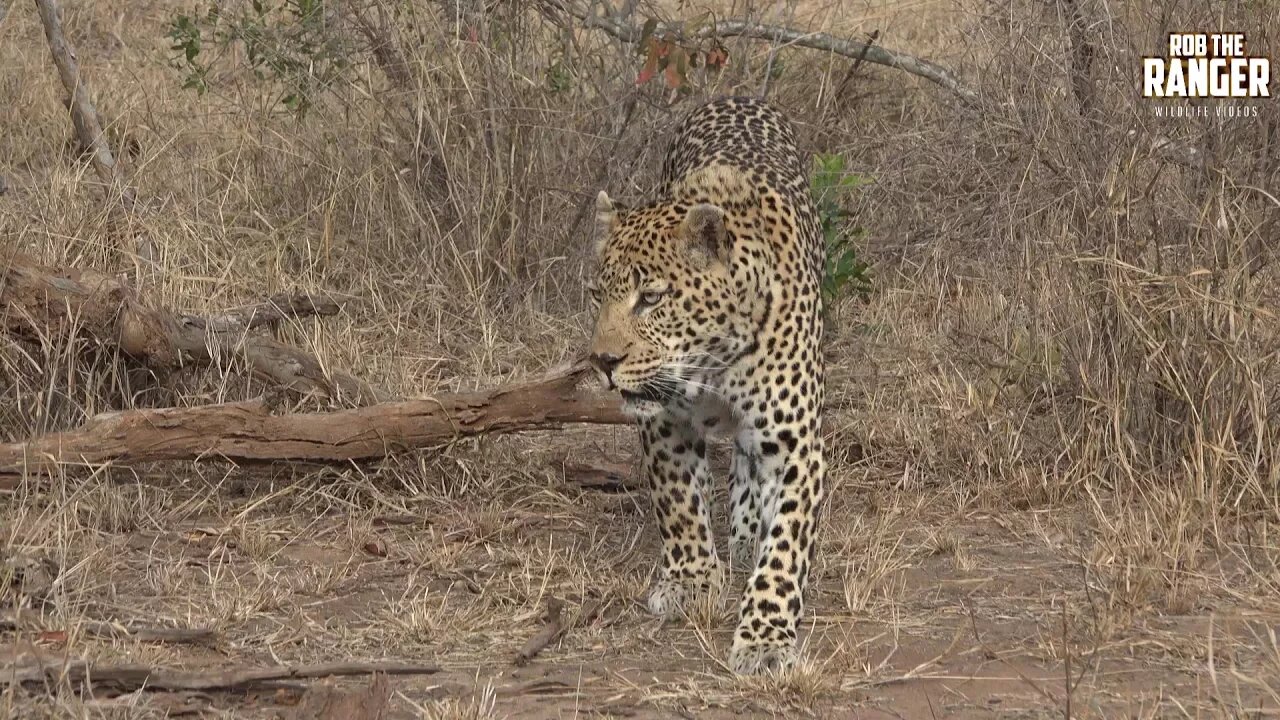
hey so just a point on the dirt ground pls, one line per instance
(1045, 502)
(924, 607)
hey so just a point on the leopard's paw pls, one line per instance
(675, 596)
(759, 656)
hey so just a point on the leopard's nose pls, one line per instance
(606, 363)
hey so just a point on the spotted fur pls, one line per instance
(709, 321)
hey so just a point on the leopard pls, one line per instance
(708, 322)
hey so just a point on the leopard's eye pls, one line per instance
(594, 292)
(650, 298)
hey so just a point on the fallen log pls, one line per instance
(40, 301)
(275, 310)
(248, 431)
(26, 621)
(128, 678)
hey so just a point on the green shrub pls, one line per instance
(290, 44)
(845, 271)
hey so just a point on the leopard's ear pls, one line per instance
(606, 220)
(703, 229)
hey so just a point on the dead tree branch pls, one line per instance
(557, 624)
(144, 677)
(391, 60)
(17, 620)
(1082, 54)
(1165, 148)
(275, 310)
(37, 299)
(248, 430)
(83, 115)
(85, 118)
(852, 49)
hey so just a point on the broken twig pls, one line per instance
(328, 703)
(602, 476)
(549, 633)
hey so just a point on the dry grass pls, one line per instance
(1053, 424)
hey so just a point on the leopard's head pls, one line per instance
(667, 310)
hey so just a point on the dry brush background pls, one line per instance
(1053, 421)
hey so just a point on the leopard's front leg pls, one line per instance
(744, 509)
(790, 467)
(675, 463)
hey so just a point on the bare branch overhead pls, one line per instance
(846, 47)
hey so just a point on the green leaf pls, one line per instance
(646, 33)
(844, 269)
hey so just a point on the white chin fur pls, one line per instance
(640, 409)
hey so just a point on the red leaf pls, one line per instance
(53, 636)
(650, 64)
(717, 58)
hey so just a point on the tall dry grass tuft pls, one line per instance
(1116, 308)
(1161, 328)
(1085, 315)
